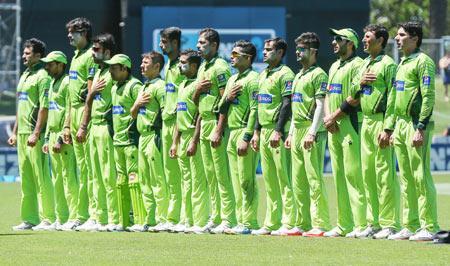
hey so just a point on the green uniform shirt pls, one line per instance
(32, 95)
(149, 116)
(218, 72)
(81, 69)
(57, 98)
(123, 97)
(187, 111)
(340, 81)
(308, 85)
(274, 84)
(242, 111)
(102, 104)
(379, 96)
(173, 78)
(414, 85)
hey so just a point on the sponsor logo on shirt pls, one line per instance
(181, 106)
(288, 85)
(97, 97)
(297, 97)
(170, 88)
(264, 98)
(52, 105)
(367, 89)
(323, 86)
(117, 110)
(399, 85)
(221, 78)
(142, 111)
(22, 96)
(235, 101)
(335, 88)
(73, 74)
(91, 71)
(426, 80)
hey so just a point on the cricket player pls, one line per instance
(184, 147)
(125, 140)
(37, 208)
(374, 84)
(147, 110)
(170, 42)
(414, 103)
(212, 78)
(341, 120)
(81, 72)
(307, 139)
(62, 157)
(274, 112)
(239, 103)
(98, 113)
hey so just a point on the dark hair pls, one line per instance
(380, 31)
(172, 33)
(278, 43)
(107, 41)
(311, 39)
(211, 35)
(81, 25)
(247, 47)
(193, 57)
(36, 45)
(156, 58)
(413, 28)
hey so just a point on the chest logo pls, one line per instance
(118, 110)
(73, 74)
(22, 96)
(264, 98)
(181, 106)
(170, 88)
(297, 97)
(367, 90)
(335, 88)
(399, 85)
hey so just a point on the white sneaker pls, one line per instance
(368, 232)
(87, 226)
(102, 228)
(119, 228)
(295, 231)
(335, 232)
(23, 226)
(51, 227)
(261, 231)
(422, 235)
(404, 234)
(179, 228)
(170, 227)
(211, 225)
(43, 226)
(220, 229)
(70, 225)
(353, 233)
(161, 227)
(237, 230)
(282, 231)
(135, 228)
(315, 232)
(199, 230)
(58, 226)
(384, 233)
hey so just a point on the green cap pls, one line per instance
(348, 34)
(119, 59)
(57, 56)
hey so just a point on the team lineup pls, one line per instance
(99, 150)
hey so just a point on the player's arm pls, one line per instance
(43, 86)
(426, 73)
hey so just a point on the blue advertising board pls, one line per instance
(255, 24)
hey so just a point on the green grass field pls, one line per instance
(144, 248)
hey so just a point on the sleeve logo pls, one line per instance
(46, 93)
(399, 85)
(52, 105)
(221, 78)
(426, 80)
(255, 95)
(288, 85)
(91, 71)
(97, 97)
(118, 110)
(264, 98)
(367, 90)
(142, 110)
(323, 86)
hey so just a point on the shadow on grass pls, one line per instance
(16, 234)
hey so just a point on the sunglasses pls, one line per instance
(301, 49)
(235, 54)
(339, 38)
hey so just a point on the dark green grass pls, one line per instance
(163, 248)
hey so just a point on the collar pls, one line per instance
(378, 57)
(342, 63)
(275, 69)
(35, 67)
(81, 51)
(153, 80)
(411, 56)
(311, 68)
(174, 62)
(245, 73)
(210, 62)
(120, 84)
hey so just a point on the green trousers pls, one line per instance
(243, 177)
(86, 207)
(379, 174)
(194, 185)
(172, 172)
(65, 182)
(419, 192)
(38, 202)
(280, 206)
(129, 193)
(104, 173)
(345, 151)
(307, 180)
(219, 182)
(152, 180)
